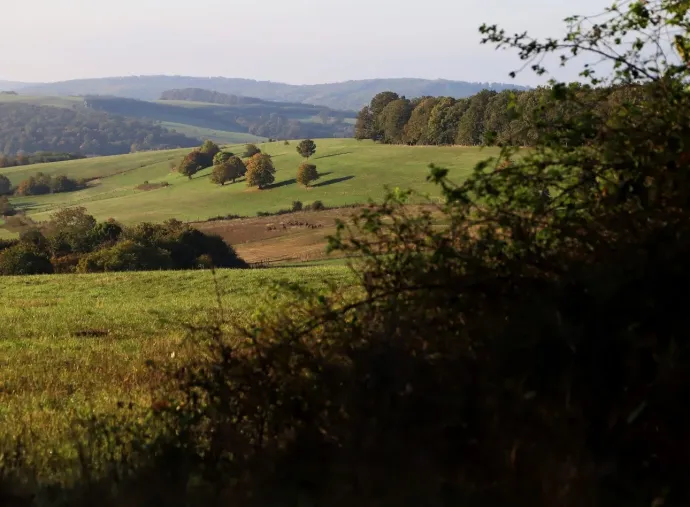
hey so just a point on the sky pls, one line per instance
(292, 41)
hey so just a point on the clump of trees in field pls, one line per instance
(227, 167)
(73, 241)
(199, 159)
(41, 184)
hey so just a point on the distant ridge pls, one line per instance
(349, 95)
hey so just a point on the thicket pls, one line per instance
(73, 241)
(534, 352)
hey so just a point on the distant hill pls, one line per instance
(260, 118)
(350, 95)
(30, 128)
(209, 96)
(7, 86)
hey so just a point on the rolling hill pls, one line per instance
(351, 172)
(349, 95)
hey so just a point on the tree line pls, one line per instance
(509, 117)
(74, 241)
(26, 128)
(41, 157)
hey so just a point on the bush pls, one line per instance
(306, 173)
(297, 206)
(23, 259)
(70, 231)
(125, 256)
(317, 206)
(286, 143)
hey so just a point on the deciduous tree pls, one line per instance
(260, 171)
(306, 173)
(306, 148)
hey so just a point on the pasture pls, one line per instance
(72, 344)
(351, 172)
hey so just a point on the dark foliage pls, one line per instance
(265, 119)
(41, 157)
(42, 184)
(306, 148)
(27, 128)
(74, 241)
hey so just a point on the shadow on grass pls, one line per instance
(333, 155)
(332, 181)
(285, 183)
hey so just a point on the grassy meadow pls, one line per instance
(70, 344)
(352, 172)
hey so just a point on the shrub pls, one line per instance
(23, 259)
(317, 206)
(297, 206)
(286, 143)
(306, 173)
(260, 171)
(125, 256)
(70, 231)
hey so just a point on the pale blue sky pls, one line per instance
(294, 41)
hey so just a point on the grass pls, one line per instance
(352, 172)
(76, 343)
(41, 100)
(218, 136)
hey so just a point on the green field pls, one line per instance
(71, 343)
(218, 136)
(43, 100)
(352, 172)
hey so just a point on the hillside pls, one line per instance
(32, 128)
(347, 95)
(352, 172)
(209, 96)
(282, 120)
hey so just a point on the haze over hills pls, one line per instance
(349, 95)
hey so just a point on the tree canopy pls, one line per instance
(260, 171)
